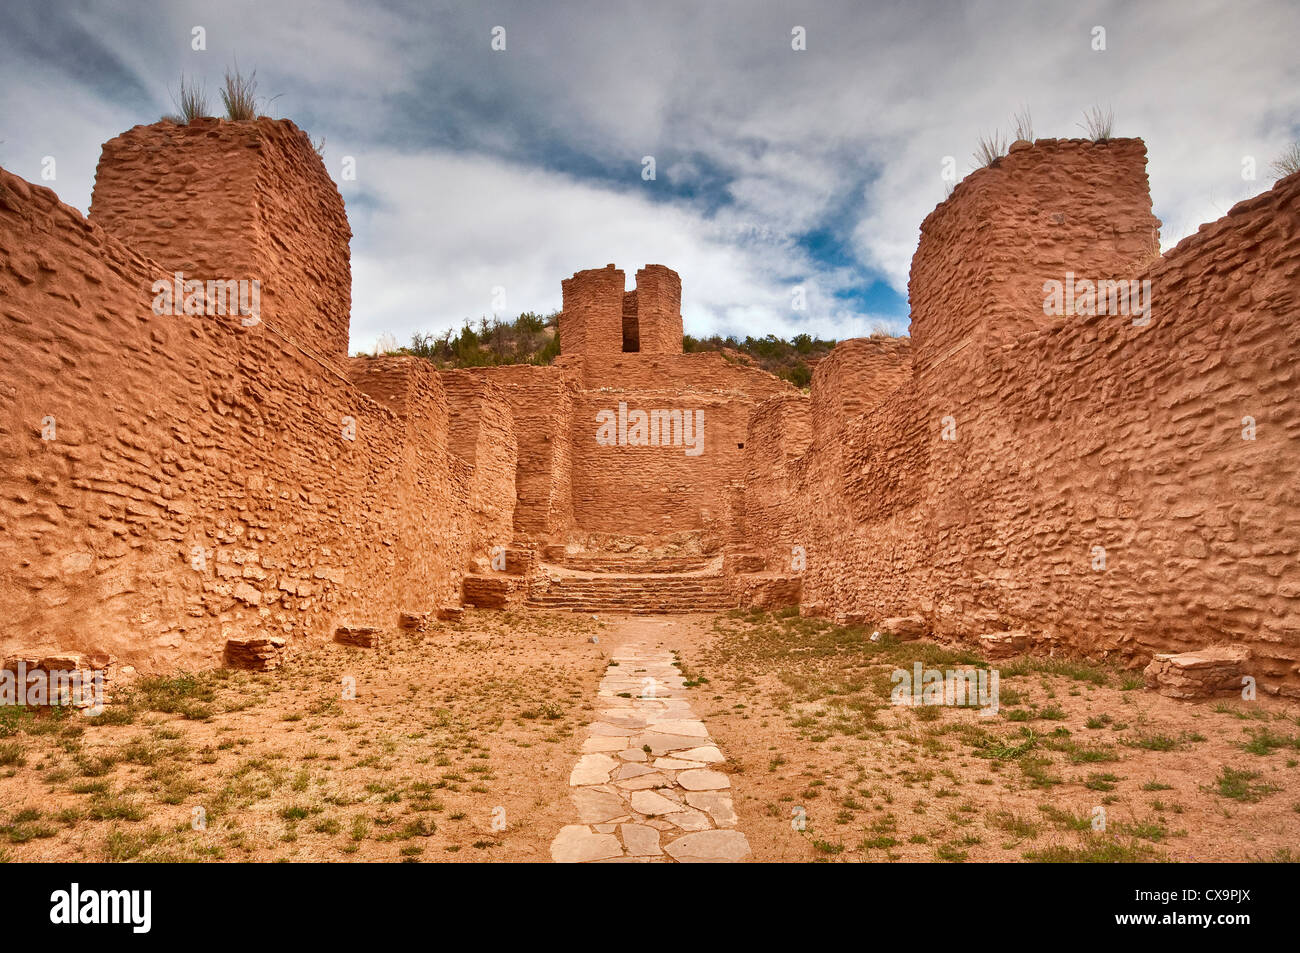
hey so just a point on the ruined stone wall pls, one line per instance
(482, 435)
(1102, 433)
(658, 305)
(196, 484)
(1061, 205)
(600, 320)
(541, 401)
(236, 200)
(856, 376)
(626, 489)
(1070, 433)
(844, 490)
(591, 321)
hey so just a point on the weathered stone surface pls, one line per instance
(905, 628)
(255, 654)
(1000, 645)
(718, 806)
(579, 844)
(680, 728)
(413, 621)
(366, 637)
(652, 803)
(1203, 673)
(709, 847)
(640, 840)
(661, 744)
(654, 780)
(689, 819)
(709, 754)
(597, 807)
(592, 769)
(703, 779)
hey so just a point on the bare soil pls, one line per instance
(456, 730)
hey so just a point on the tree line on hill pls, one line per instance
(535, 339)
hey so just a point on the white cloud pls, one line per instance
(447, 229)
(459, 146)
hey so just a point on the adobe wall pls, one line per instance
(481, 435)
(591, 319)
(541, 401)
(1060, 205)
(658, 302)
(197, 485)
(236, 200)
(599, 318)
(619, 488)
(1070, 432)
(658, 490)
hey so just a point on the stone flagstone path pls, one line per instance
(646, 789)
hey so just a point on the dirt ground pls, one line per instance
(459, 743)
(801, 708)
(448, 729)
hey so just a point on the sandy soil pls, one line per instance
(802, 710)
(479, 719)
(446, 728)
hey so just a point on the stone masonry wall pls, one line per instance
(600, 318)
(541, 401)
(591, 321)
(236, 200)
(482, 435)
(658, 305)
(1058, 206)
(170, 482)
(656, 490)
(1070, 433)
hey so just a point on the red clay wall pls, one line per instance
(1089, 431)
(482, 436)
(658, 310)
(236, 200)
(631, 490)
(601, 319)
(180, 437)
(541, 401)
(591, 321)
(1060, 205)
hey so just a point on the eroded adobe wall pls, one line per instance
(1060, 205)
(648, 490)
(1100, 433)
(600, 319)
(481, 434)
(1090, 431)
(658, 310)
(196, 485)
(591, 321)
(236, 200)
(838, 476)
(541, 401)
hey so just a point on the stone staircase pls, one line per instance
(642, 593)
(626, 564)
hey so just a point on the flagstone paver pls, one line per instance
(647, 787)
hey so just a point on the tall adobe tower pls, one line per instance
(600, 318)
(220, 200)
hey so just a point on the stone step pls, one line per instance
(631, 593)
(630, 564)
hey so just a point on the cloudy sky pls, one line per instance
(774, 168)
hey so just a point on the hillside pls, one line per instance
(535, 339)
